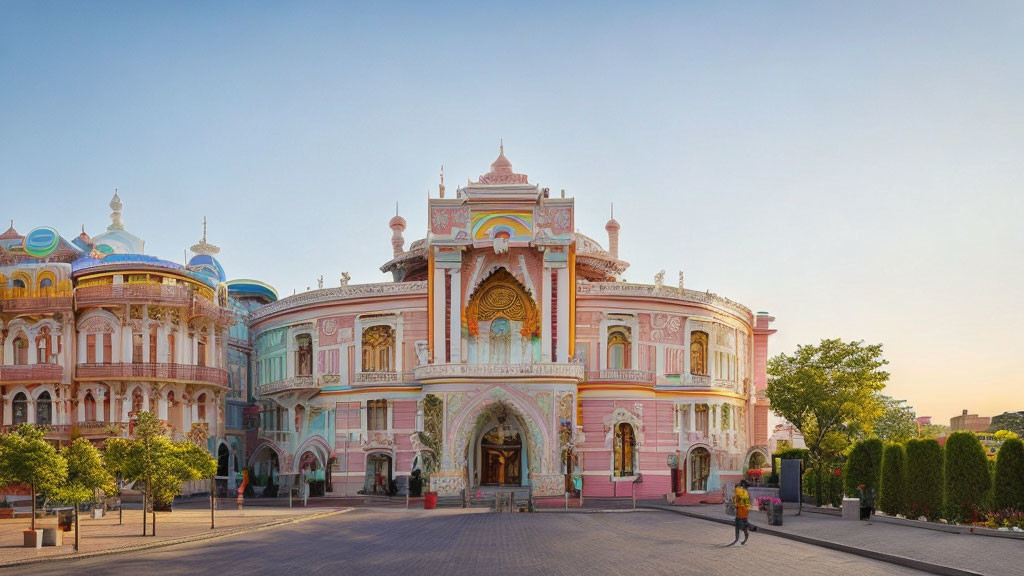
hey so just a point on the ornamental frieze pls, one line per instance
(626, 289)
(341, 293)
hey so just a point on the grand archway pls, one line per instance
(500, 454)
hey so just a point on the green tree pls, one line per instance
(86, 475)
(160, 465)
(892, 497)
(933, 431)
(1009, 478)
(864, 466)
(898, 423)
(1004, 435)
(966, 476)
(29, 459)
(830, 393)
(1012, 421)
(924, 478)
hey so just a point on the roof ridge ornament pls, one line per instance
(115, 214)
(501, 170)
(204, 247)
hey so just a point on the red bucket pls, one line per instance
(430, 500)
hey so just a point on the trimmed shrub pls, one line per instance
(966, 477)
(1009, 477)
(924, 478)
(832, 486)
(788, 454)
(892, 496)
(864, 466)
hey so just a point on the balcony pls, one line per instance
(166, 294)
(547, 371)
(383, 378)
(32, 374)
(87, 429)
(203, 307)
(293, 384)
(36, 305)
(707, 382)
(153, 372)
(645, 377)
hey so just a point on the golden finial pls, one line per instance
(440, 187)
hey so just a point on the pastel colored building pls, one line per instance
(971, 422)
(93, 331)
(510, 340)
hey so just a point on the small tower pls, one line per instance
(115, 214)
(612, 227)
(397, 225)
(440, 187)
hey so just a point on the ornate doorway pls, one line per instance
(378, 474)
(700, 469)
(501, 456)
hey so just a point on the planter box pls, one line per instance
(6, 512)
(33, 538)
(774, 515)
(52, 537)
(97, 513)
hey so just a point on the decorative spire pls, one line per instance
(501, 171)
(612, 227)
(115, 214)
(204, 247)
(440, 187)
(397, 225)
(10, 233)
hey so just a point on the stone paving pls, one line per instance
(104, 535)
(475, 542)
(966, 552)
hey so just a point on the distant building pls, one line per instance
(971, 422)
(924, 421)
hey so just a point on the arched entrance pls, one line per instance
(378, 473)
(700, 469)
(498, 453)
(265, 476)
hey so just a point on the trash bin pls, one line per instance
(430, 500)
(66, 520)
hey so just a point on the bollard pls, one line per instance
(406, 499)
(566, 500)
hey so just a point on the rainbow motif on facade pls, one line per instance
(517, 225)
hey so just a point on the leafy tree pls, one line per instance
(864, 466)
(897, 423)
(924, 478)
(1004, 435)
(1012, 421)
(1009, 478)
(86, 475)
(29, 459)
(892, 498)
(966, 476)
(933, 431)
(163, 466)
(830, 393)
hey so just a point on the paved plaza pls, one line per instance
(461, 542)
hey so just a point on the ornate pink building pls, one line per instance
(509, 351)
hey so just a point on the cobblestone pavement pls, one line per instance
(461, 542)
(978, 554)
(105, 534)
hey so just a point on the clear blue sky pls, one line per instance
(854, 168)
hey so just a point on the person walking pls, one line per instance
(741, 500)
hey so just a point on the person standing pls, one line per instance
(741, 500)
(867, 502)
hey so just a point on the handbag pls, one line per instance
(730, 507)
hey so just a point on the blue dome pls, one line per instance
(207, 265)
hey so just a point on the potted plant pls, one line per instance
(773, 506)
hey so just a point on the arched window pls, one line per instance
(201, 407)
(20, 408)
(43, 346)
(304, 355)
(21, 350)
(700, 469)
(46, 287)
(44, 409)
(90, 407)
(90, 348)
(618, 348)
(699, 353)
(625, 448)
(170, 349)
(500, 343)
(378, 349)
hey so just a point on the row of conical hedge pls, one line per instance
(921, 478)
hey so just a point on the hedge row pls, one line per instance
(864, 466)
(924, 479)
(892, 496)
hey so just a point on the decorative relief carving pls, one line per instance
(341, 293)
(550, 370)
(647, 291)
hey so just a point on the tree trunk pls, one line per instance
(33, 485)
(145, 498)
(154, 519)
(78, 530)
(212, 505)
(819, 490)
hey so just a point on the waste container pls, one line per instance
(430, 500)
(66, 520)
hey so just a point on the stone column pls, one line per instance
(562, 354)
(211, 348)
(126, 406)
(456, 320)
(438, 319)
(545, 312)
(693, 417)
(161, 406)
(101, 398)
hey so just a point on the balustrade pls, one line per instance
(553, 370)
(287, 385)
(622, 375)
(152, 371)
(32, 373)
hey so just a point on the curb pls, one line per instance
(163, 543)
(872, 554)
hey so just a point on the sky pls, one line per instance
(853, 168)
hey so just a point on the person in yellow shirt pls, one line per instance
(741, 499)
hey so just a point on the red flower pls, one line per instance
(838, 472)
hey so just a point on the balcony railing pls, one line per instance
(384, 377)
(168, 294)
(91, 429)
(36, 305)
(32, 373)
(293, 384)
(622, 375)
(125, 371)
(545, 370)
(203, 307)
